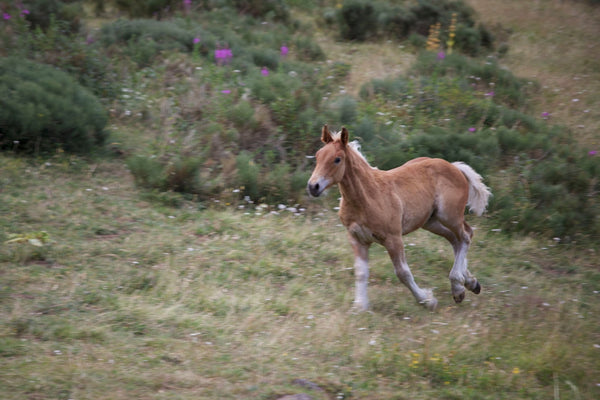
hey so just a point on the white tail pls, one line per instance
(479, 193)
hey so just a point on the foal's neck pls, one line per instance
(358, 183)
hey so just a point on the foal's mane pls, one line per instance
(353, 145)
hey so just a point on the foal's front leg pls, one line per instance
(361, 273)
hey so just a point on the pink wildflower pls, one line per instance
(196, 40)
(471, 129)
(264, 71)
(592, 153)
(441, 55)
(284, 50)
(6, 16)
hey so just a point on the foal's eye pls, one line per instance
(337, 160)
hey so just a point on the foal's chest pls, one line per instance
(363, 234)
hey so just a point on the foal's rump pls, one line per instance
(453, 186)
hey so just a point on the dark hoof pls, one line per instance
(477, 288)
(459, 297)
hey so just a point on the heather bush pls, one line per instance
(175, 174)
(275, 10)
(143, 39)
(44, 109)
(43, 13)
(357, 20)
(142, 9)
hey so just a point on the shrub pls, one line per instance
(179, 174)
(556, 196)
(508, 88)
(307, 49)
(145, 38)
(265, 58)
(147, 172)
(140, 9)
(396, 20)
(248, 175)
(43, 109)
(357, 20)
(347, 112)
(42, 14)
(275, 10)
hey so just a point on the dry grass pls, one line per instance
(368, 61)
(556, 43)
(137, 300)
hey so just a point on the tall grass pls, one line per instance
(137, 299)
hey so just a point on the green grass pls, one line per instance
(140, 294)
(134, 299)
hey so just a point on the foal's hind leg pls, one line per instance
(460, 238)
(395, 249)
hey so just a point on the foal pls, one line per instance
(381, 206)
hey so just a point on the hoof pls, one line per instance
(477, 288)
(458, 298)
(430, 302)
(360, 307)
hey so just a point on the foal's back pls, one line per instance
(428, 186)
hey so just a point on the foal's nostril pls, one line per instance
(313, 189)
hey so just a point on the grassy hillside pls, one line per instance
(117, 285)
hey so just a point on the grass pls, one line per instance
(133, 299)
(149, 295)
(554, 43)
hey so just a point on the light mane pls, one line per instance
(354, 146)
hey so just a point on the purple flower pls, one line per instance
(592, 153)
(441, 55)
(196, 40)
(264, 71)
(545, 115)
(226, 91)
(6, 16)
(490, 94)
(24, 12)
(471, 129)
(284, 51)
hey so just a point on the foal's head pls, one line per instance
(331, 161)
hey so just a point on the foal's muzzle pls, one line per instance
(314, 189)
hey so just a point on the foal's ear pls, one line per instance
(344, 136)
(325, 135)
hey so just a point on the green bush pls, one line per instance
(43, 13)
(143, 39)
(43, 109)
(248, 175)
(148, 172)
(150, 8)
(555, 196)
(357, 20)
(396, 20)
(508, 89)
(275, 10)
(347, 110)
(307, 49)
(179, 174)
